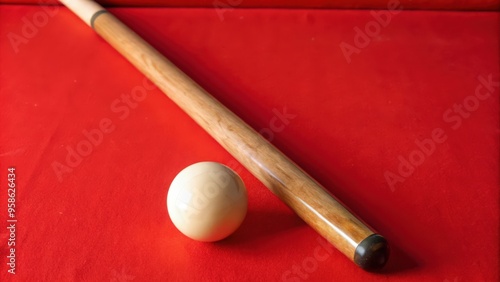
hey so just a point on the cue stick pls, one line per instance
(277, 172)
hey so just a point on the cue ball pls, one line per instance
(207, 201)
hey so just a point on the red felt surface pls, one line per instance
(106, 219)
(482, 5)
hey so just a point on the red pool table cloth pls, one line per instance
(396, 113)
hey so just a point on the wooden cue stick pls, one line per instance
(286, 180)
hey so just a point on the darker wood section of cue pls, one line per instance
(285, 179)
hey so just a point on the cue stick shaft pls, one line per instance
(284, 178)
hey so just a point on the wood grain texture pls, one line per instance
(285, 179)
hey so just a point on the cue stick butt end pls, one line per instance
(372, 253)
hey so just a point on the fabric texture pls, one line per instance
(465, 5)
(396, 113)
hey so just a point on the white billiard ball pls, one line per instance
(207, 201)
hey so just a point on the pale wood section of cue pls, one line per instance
(285, 179)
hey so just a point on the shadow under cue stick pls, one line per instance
(285, 179)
